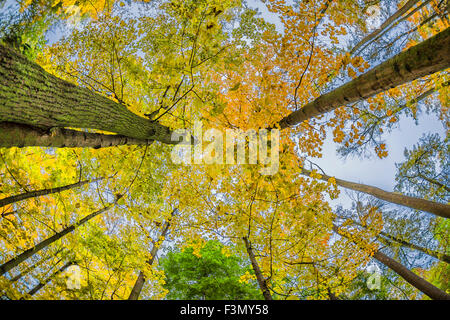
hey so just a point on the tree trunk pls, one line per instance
(137, 288)
(29, 95)
(427, 57)
(387, 239)
(409, 276)
(7, 266)
(20, 135)
(385, 24)
(40, 285)
(439, 209)
(34, 266)
(259, 276)
(43, 192)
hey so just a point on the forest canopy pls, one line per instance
(224, 149)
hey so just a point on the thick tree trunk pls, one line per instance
(137, 288)
(400, 12)
(429, 56)
(7, 266)
(40, 285)
(29, 95)
(259, 276)
(42, 192)
(20, 135)
(409, 276)
(439, 209)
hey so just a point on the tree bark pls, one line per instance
(20, 135)
(137, 288)
(429, 56)
(409, 276)
(439, 209)
(259, 276)
(29, 95)
(40, 285)
(42, 192)
(7, 266)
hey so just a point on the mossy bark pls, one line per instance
(31, 96)
(430, 56)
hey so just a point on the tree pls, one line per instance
(418, 282)
(437, 208)
(425, 172)
(428, 57)
(207, 273)
(135, 292)
(37, 193)
(7, 266)
(103, 100)
(68, 105)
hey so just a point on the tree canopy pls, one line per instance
(208, 149)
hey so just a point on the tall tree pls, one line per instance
(25, 85)
(259, 276)
(413, 279)
(429, 56)
(137, 288)
(7, 266)
(436, 208)
(43, 192)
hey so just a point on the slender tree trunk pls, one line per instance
(40, 285)
(439, 209)
(137, 288)
(259, 276)
(409, 276)
(7, 266)
(435, 182)
(42, 192)
(20, 135)
(34, 266)
(29, 95)
(387, 239)
(331, 295)
(400, 12)
(429, 56)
